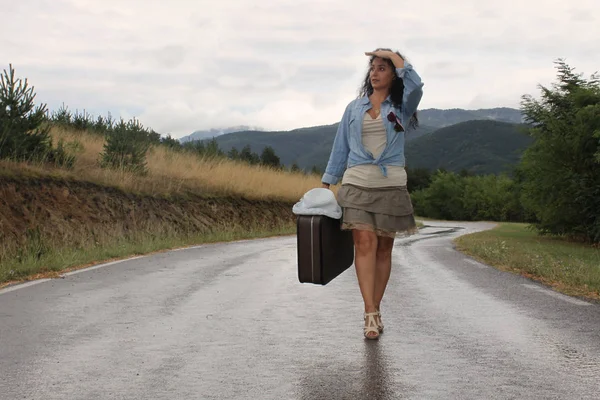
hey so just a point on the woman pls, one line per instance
(368, 157)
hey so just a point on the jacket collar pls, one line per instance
(365, 100)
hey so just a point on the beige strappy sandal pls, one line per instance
(371, 325)
(379, 322)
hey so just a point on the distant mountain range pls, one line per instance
(209, 134)
(481, 141)
(480, 147)
(441, 118)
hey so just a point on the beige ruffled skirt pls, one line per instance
(386, 211)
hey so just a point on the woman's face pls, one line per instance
(381, 74)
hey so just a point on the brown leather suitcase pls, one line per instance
(324, 250)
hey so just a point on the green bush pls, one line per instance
(442, 199)
(126, 147)
(452, 196)
(418, 178)
(491, 198)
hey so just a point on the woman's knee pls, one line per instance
(365, 241)
(385, 246)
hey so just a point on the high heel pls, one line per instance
(379, 322)
(371, 326)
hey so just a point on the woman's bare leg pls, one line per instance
(383, 267)
(365, 245)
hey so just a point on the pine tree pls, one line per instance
(233, 154)
(23, 132)
(126, 147)
(170, 142)
(196, 147)
(213, 150)
(269, 158)
(248, 156)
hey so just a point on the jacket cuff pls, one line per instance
(327, 178)
(401, 71)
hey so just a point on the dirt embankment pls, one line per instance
(61, 212)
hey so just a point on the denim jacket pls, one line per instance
(348, 150)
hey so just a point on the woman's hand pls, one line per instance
(396, 59)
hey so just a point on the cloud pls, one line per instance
(449, 69)
(182, 66)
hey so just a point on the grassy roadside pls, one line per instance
(56, 260)
(171, 173)
(53, 220)
(570, 268)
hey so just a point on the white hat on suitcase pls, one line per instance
(318, 201)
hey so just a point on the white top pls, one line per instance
(374, 139)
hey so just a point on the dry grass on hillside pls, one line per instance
(171, 172)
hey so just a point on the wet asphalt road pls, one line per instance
(231, 321)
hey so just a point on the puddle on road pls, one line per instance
(428, 232)
(574, 360)
(569, 360)
(440, 230)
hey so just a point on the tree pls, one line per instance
(196, 147)
(269, 158)
(248, 156)
(418, 178)
(23, 132)
(233, 154)
(82, 121)
(62, 116)
(170, 142)
(479, 197)
(443, 198)
(153, 136)
(491, 198)
(213, 150)
(126, 147)
(560, 171)
(295, 168)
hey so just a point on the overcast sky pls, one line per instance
(184, 65)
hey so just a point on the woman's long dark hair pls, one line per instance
(396, 91)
